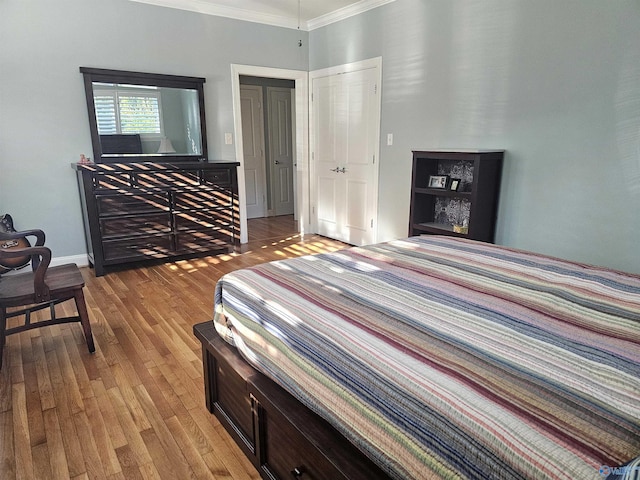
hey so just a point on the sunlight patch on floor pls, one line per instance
(260, 251)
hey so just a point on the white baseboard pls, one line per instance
(80, 260)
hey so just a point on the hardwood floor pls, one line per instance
(134, 409)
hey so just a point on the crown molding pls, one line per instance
(346, 12)
(207, 8)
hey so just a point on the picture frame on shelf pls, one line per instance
(454, 184)
(438, 181)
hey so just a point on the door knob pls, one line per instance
(277, 162)
(337, 169)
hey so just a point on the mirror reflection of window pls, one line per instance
(122, 109)
(140, 119)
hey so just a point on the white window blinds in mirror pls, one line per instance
(122, 109)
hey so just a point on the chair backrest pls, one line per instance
(7, 243)
(39, 255)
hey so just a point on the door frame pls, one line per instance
(301, 128)
(371, 63)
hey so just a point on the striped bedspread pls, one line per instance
(440, 357)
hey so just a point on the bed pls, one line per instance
(440, 357)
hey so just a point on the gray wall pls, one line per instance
(43, 114)
(554, 82)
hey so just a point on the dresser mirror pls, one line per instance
(139, 117)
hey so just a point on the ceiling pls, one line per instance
(303, 14)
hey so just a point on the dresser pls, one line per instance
(157, 211)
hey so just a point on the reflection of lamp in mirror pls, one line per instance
(165, 146)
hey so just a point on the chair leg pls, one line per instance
(84, 319)
(3, 329)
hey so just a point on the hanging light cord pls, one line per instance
(299, 41)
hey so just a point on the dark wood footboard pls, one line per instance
(280, 436)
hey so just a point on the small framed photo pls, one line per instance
(438, 181)
(455, 184)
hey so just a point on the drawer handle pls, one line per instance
(146, 245)
(297, 472)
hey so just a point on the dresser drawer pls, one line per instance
(217, 177)
(289, 454)
(167, 179)
(132, 203)
(135, 225)
(113, 181)
(235, 402)
(203, 220)
(295, 442)
(150, 247)
(225, 383)
(209, 198)
(203, 241)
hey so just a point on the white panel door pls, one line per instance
(281, 150)
(346, 131)
(327, 150)
(253, 147)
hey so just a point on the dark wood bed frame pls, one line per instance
(281, 437)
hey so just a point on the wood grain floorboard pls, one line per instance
(135, 409)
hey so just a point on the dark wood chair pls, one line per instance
(43, 287)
